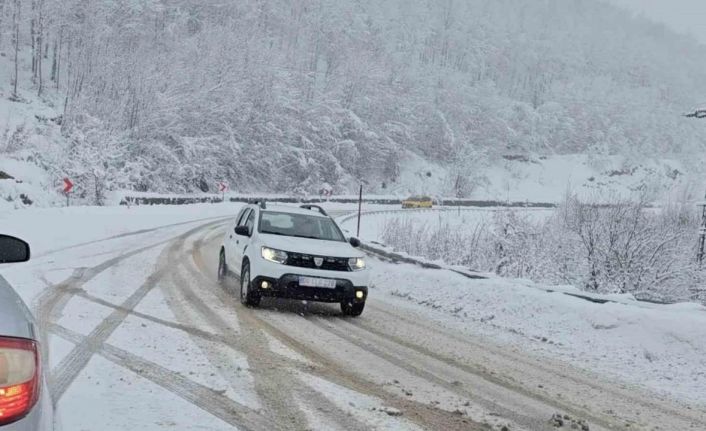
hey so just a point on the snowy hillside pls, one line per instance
(157, 96)
(547, 178)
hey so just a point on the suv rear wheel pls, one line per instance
(352, 309)
(247, 296)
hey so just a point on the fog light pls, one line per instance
(265, 284)
(359, 294)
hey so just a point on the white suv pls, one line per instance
(296, 253)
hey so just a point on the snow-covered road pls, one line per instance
(141, 336)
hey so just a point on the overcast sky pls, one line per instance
(685, 16)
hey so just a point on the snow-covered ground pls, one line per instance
(48, 229)
(68, 241)
(138, 335)
(550, 178)
(661, 347)
(546, 178)
(146, 368)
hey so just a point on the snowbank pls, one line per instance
(661, 347)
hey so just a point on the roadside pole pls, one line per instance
(700, 114)
(360, 208)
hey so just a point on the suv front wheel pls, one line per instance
(352, 309)
(247, 296)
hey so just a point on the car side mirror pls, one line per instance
(242, 230)
(13, 250)
(355, 242)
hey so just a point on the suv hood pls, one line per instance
(316, 247)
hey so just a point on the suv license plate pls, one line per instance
(317, 282)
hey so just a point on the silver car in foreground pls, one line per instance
(25, 404)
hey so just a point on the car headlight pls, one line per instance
(276, 256)
(356, 263)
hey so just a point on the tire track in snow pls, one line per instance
(322, 403)
(424, 415)
(95, 343)
(127, 234)
(424, 367)
(562, 376)
(54, 298)
(74, 362)
(199, 395)
(272, 382)
(207, 336)
(52, 301)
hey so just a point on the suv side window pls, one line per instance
(250, 222)
(240, 215)
(243, 217)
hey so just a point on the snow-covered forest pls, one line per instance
(285, 95)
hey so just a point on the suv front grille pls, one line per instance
(307, 261)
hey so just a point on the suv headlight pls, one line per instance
(356, 263)
(276, 256)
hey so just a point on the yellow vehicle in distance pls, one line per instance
(417, 202)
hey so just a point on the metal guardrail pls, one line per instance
(186, 200)
(167, 200)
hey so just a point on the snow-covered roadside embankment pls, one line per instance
(660, 347)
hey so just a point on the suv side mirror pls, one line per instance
(13, 250)
(242, 230)
(355, 242)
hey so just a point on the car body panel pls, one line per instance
(260, 266)
(306, 245)
(288, 287)
(17, 321)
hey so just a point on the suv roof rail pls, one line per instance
(261, 203)
(315, 207)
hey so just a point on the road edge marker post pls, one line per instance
(68, 186)
(222, 187)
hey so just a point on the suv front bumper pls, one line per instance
(287, 286)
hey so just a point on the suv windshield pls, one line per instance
(299, 225)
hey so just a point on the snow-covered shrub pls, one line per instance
(622, 246)
(439, 242)
(626, 246)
